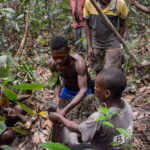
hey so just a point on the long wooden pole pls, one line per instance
(115, 32)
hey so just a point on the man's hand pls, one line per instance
(11, 113)
(54, 116)
(91, 54)
(131, 1)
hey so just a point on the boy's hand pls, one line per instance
(11, 112)
(131, 2)
(54, 116)
(62, 112)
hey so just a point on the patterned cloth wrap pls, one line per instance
(69, 94)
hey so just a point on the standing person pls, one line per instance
(78, 22)
(73, 71)
(139, 6)
(103, 47)
(109, 85)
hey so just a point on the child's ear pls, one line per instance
(107, 93)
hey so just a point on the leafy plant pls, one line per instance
(105, 119)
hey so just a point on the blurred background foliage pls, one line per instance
(49, 18)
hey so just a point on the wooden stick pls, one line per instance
(115, 32)
(19, 53)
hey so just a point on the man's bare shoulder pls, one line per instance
(51, 64)
(80, 64)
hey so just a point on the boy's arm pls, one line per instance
(80, 67)
(69, 124)
(140, 7)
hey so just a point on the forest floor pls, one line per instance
(38, 128)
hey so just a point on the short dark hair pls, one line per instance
(58, 42)
(113, 80)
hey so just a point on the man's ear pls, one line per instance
(107, 93)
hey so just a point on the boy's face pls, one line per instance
(60, 56)
(99, 90)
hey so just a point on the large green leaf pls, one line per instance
(115, 143)
(54, 146)
(2, 118)
(2, 127)
(107, 123)
(104, 110)
(6, 147)
(29, 86)
(101, 117)
(124, 132)
(25, 108)
(6, 81)
(10, 10)
(19, 130)
(10, 94)
(53, 79)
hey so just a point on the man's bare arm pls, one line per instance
(88, 37)
(122, 27)
(82, 83)
(140, 7)
(57, 87)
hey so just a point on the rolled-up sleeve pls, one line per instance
(88, 128)
(123, 9)
(86, 11)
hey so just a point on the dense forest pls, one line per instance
(26, 28)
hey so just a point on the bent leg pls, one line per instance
(113, 58)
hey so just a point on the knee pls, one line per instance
(7, 137)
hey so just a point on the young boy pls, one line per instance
(72, 69)
(140, 7)
(109, 86)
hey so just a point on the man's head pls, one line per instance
(59, 50)
(110, 84)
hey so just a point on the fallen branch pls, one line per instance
(115, 32)
(19, 53)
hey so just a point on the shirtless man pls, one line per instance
(73, 71)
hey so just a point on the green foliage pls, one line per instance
(2, 127)
(124, 132)
(53, 79)
(11, 95)
(29, 86)
(107, 123)
(2, 118)
(6, 147)
(104, 110)
(105, 120)
(54, 146)
(19, 130)
(100, 118)
(27, 69)
(25, 108)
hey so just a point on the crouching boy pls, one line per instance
(109, 85)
